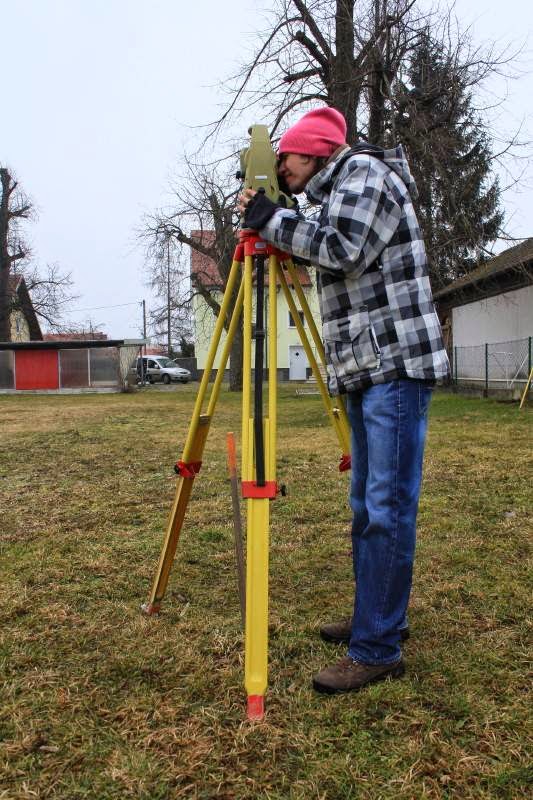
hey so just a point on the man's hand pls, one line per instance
(244, 200)
(256, 208)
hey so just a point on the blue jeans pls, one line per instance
(389, 423)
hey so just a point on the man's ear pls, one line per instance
(319, 161)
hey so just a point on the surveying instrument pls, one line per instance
(258, 452)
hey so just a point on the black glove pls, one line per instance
(259, 210)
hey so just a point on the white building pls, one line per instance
(487, 319)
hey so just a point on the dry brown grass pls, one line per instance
(99, 702)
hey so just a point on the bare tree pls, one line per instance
(202, 219)
(49, 289)
(339, 52)
(88, 329)
(359, 57)
(347, 54)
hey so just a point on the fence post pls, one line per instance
(455, 363)
(486, 370)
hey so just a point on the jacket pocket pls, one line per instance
(351, 344)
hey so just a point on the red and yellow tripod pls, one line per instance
(258, 452)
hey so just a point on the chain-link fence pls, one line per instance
(500, 365)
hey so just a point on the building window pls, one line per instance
(292, 323)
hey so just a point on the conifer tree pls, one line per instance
(451, 159)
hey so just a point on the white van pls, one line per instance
(161, 368)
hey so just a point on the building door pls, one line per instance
(297, 363)
(36, 369)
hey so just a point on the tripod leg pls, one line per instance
(237, 524)
(258, 491)
(304, 305)
(337, 414)
(194, 446)
(256, 637)
(273, 269)
(339, 409)
(526, 389)
(175, 523)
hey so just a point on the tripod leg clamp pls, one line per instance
(345, 463)
(187, 470)
(251, 489)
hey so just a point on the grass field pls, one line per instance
(101, 702)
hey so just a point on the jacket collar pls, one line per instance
(319, 186)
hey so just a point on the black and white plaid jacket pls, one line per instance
(379, 322)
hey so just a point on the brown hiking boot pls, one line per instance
(348, 675)
(340, 632)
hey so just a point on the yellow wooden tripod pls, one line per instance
(258, 459)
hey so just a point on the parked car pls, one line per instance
(161, 368)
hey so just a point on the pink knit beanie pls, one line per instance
(317, 133)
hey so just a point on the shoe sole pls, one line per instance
(327, 637)
(397, 672)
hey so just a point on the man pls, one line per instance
(384, 351)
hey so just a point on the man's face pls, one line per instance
(297, 170)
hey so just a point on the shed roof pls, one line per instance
(72, 344)
(514, 259)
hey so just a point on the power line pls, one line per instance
(100, 308)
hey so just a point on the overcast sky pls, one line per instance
(98, 98)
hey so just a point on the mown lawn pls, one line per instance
(101, 702)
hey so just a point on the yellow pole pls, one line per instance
(256, 637)
(273, 267)
(524, 395)
(305, 308)
(217, 333)
(226, 350)
(258, 518)
(247, 367)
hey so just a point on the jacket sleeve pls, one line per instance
(361, 219)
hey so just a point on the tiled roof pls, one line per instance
(205, 269)
(510, 259)
(71, 336)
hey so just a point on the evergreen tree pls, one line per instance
(450, 156)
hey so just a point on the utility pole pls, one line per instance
(169, 342)
(143, 348)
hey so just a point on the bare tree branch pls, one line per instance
(49, 288)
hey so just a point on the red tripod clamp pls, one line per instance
(251, 244)
(251, 489)
(345, 462)
(187, 470)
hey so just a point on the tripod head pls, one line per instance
(259, 167)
